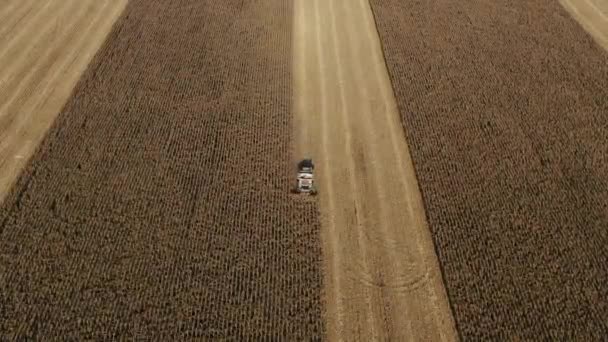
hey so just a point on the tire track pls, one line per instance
(12, 15)
(42, 14)
(402, 277)
(373, 185)
(407, 180)
(375, 314)
(17, 75)
(397, 277)
(350, 311)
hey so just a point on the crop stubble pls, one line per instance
(44, 48)
(382, 278)
(157, 205)
(504, 106)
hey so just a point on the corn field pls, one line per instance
(158, 204)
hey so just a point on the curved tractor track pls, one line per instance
(382, 275)
(44, 48)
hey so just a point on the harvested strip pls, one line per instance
(41, 60)
(383, 281)
(504, 106)
(158, 206)
(15, 14)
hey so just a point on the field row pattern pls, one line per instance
(158, 204)
(504, 107)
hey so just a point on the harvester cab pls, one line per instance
(305, 180)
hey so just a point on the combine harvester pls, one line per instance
(305, 179)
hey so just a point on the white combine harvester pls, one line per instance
(305, 181)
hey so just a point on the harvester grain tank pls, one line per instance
(305, 178)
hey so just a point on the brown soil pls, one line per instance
(383, 281)
(158, 205)
(504, 106)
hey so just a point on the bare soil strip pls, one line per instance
(383, 280)
(45, 46)
(158, 204)
(504, 105)
(592, 15)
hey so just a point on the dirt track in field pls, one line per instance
(382, 278)
(157, 206)
(504, 104)
(592, 15)
(44, 48)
